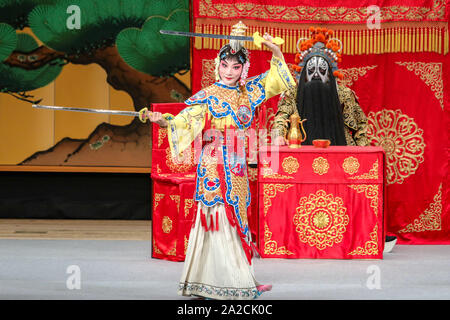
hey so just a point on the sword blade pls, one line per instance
(104, 111)
(205, 35)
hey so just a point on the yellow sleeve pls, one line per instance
(278, 79)
(185, 127)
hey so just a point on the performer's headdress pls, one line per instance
(235, 49)
(321, 44)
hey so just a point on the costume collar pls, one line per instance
(222, 85)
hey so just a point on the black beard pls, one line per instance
(318, 102)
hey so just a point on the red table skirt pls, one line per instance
(173, 213)
(322, 203)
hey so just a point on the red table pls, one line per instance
(321, 202)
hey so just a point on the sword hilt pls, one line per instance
(144, 111)
(143, 115)
(258, 40)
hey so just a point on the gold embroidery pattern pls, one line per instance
(430, 220)
(252, 174)
(371, 192)
(183, 164)
(431, 74)
(173, 251)
(186, 243)
(350, 165)
(267, 172)
(265, 129)
(249, 10)
(209, 162)
(270, 192)
(372, 174)
(352, 74)
(290, 165)
(321, 220)
(370, 247)
(158, 197)
(402, 140)
(162, 134)
(176, 198)
(155, 247)
(208, 77)
(188, 204)
(271, 246)
(320, 165)
(239, 190)
(166, 224)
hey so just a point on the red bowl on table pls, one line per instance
(321, 143)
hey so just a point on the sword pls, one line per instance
(256, 38)
(142, 114)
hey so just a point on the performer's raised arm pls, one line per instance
(278, 79)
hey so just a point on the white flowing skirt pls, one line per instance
(216, 265)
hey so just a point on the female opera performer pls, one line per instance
(218, 262)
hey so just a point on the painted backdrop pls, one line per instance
(91, 54)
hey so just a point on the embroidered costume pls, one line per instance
(218, 260)
(331, 110)
(355, 121)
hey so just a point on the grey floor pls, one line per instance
(43, 269)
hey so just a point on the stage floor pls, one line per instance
(35, 267)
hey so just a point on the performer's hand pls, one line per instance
(272, 46)
(279, 141)
(157, 118)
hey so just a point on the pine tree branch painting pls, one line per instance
(120, 36)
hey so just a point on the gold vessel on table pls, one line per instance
(295, 137)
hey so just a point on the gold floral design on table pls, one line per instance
(290, 165)
(188, 204)
(370, 247)
(430, 220)
(267, 172)
(186, 243)
(321, 219)
(350, 165)
(271, 246)
(320, 165)
(401, 138)
(371, 192)
(431, 74)
(184, 163)
(176, 198)
(166, 224)
(270, 191)
(158, 197)
(162, 134)
(372, 174)
(173, 251)
(155, 247)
